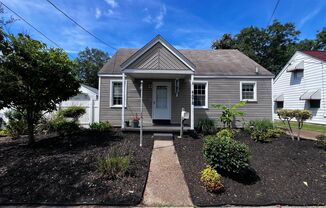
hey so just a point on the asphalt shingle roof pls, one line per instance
(321, 55)
(222, 62)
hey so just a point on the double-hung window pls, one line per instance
(248, 91)
(201, 94)
(116, 93)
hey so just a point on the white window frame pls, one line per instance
(206, 93)
(111, 93)
(255, 91)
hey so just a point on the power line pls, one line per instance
(83, 28)
(271, 18)
(30, 25)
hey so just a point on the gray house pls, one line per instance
(175, 79)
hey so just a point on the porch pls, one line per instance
(159, 129)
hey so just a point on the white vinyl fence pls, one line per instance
(92, 110)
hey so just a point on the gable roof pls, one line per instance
(90, 89)
(222, 62)
(155, 41)
(321, 55)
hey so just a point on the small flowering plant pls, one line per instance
(135, 117)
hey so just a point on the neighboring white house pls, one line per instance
(302, 85)
(87, 98)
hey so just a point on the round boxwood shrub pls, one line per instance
(226, 154)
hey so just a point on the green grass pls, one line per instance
(306, 126)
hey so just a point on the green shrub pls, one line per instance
(229, 114)
(66, 128)
(16, 125)
(113, 165)
(225, 133)
(3, 132)
(211, 179)
(263, 124)
(101, 126)
(263, 130)
(321, 141)
(226, 154)
(206, 126)
(74, 112)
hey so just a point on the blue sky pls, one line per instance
(132, 23)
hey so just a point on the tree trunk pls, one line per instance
(30, 127)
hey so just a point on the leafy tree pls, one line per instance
(271, 47)
(5, 21)
(226, 42)
(88, 64)
(305, 45)
(34, 78)
(321, 39)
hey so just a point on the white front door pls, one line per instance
(161, 100)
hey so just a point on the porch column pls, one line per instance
(192, 116)
(123, 102)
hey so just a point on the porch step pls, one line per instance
(162, 136)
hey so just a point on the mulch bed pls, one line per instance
(277, 175)
(55, 172)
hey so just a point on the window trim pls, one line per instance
(206, 94)
(111, 93)
(255, 91)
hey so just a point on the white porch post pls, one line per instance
(123, 101)
(192, 116)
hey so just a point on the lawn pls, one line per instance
(307, 126)
(54, 172)
(283, 172)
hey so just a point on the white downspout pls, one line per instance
(323, 91)
(192, 111)
(99, 98)
(272, 81)
(123, 102)
(141, 113)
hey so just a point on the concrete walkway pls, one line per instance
(166, 185)
(305, 134)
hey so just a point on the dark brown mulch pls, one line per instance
(55, 172)
(277, 175)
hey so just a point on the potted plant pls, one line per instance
(135, 121)
(127, 123)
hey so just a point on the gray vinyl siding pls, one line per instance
(227, 92)
(220, 90)
(158, 57)
(113, 114)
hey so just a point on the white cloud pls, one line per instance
(158, 20)
(112, 3)
(98, 13)
(309, 16)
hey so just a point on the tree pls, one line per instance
(34, 78)
(321, 39)
(226, 42)
(270, 47)
(88, 64)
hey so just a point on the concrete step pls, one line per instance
(163, 136)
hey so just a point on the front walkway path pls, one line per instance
(166, 185)
(305, 134)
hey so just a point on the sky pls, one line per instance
(132, 23)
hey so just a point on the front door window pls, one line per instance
(161, 97)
